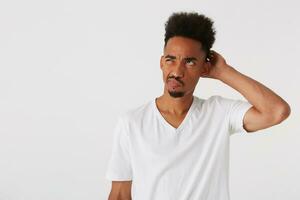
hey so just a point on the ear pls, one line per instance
(206, 67)
(161, 62)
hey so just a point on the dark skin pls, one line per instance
(182, 64)
(268, 108)
(174, 109)
(120, 190)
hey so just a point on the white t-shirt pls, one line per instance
(190, 162)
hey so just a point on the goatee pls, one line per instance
(176, 94)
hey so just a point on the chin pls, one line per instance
(176, 94)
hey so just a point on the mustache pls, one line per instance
(176, 78)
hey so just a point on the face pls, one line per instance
(182, 65)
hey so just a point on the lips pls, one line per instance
(174, 83)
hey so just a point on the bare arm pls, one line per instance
(268, 108)
(120, 190)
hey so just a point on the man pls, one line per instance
(176, 146)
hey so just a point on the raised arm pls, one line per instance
(268, 108)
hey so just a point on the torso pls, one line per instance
(170, 162)
(173, 120)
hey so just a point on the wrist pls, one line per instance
(227, 70)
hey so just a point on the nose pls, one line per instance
(178, 69)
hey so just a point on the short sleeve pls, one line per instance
(119, 166)
(237, 111)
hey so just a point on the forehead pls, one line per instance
(183, 46)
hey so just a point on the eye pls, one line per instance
(190, 63)
(169, 60)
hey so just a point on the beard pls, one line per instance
(173, 90)
(176, 94)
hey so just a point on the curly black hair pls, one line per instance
(192, 25)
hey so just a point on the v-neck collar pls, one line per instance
(182, 124)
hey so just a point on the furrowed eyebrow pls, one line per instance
(191, 58)
(187, 58)
(169, 56)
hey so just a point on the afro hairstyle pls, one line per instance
(191, 25)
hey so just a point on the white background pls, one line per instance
(69, 68)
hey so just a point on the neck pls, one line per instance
(174, 106)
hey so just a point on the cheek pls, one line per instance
(165, 74)
(193, 79)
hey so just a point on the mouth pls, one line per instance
(173, 83)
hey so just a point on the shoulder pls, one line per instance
(217, 100)
(221, 100)
(136, 113)
(217, 104)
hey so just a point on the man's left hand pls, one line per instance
(216, 66)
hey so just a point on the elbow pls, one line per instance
(282, 113)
